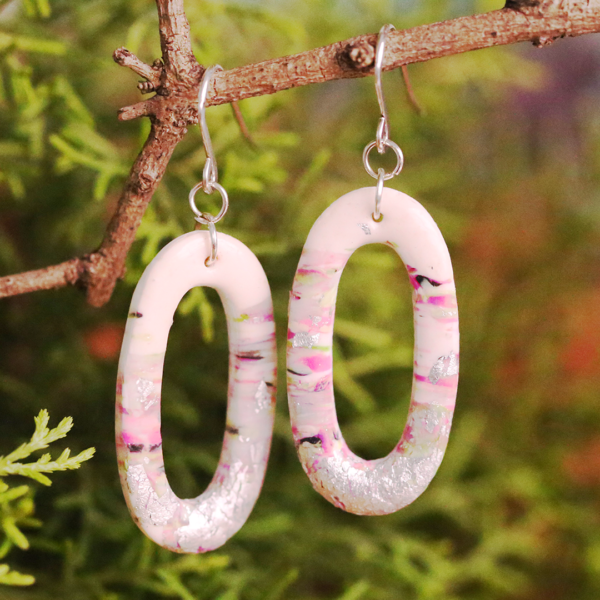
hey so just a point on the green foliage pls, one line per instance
(16, 503)
(42, 438)
(505, 159)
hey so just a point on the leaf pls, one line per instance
(138, 31)
(26, 471)
(175, 584)
(201, 564)
(8, 577)
(86, 157)
(14, 533)
(360, 397)
(283, 584)
(312, 174)
(196, 300)
(76, 109)
(43, 7)
(267, 527)
(365, 334)
(356, 591)
(380, 361)
(13, 493)
(27, 44)
(102, 184)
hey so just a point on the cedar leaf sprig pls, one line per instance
(16, 503)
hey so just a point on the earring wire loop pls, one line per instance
(383, 128)
(210, 174)
(377, 216)
(214, 245)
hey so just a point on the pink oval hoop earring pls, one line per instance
(198, 258)
(387, 484)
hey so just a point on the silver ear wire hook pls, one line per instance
(383, 128)
(210, 173)
(382, 138)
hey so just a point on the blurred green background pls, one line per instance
(507, 160)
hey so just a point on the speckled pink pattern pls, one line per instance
(385, 485)
(208, 521)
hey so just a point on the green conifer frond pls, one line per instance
(16, 503)
(42, 438)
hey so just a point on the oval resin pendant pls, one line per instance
(208, 521)
(382, 486)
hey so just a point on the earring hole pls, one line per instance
(377, 220)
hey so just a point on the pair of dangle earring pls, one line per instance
(373, 216)
(368, 215)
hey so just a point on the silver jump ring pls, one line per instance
(397, 152)
(212, 231)
(206, 218)
(377, 216)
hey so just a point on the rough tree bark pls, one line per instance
(175, 80)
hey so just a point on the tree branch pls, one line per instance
(177, 77)
(540, 24)
(175, 41)
(67, 273)
(108, 263)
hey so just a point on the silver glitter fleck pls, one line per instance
(316, 320)
(219, 512)
(146, 501)
(365, 228)
(378, 487)
(305, 340)
(449, 313)
(144, 389)
(430, 419)
(262, 396)
(444, 366)
(198, 529)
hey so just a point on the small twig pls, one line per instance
(409, 91)
(239, 117)
(135, 111)
(123, 57)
